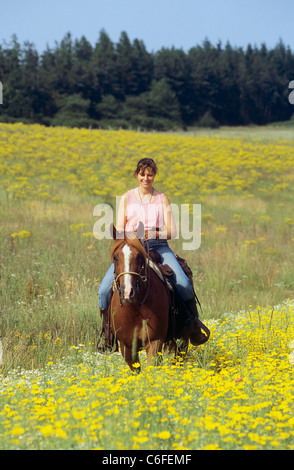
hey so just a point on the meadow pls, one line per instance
(236, 391)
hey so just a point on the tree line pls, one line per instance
(123, 85)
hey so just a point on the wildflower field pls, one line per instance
(234, 392)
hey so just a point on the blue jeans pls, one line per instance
(180, 280)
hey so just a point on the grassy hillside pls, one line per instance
(51, 265)
(234, 392)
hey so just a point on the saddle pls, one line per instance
(177, 311)
(178, 315)
(164, 270)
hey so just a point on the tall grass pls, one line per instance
(50, 280)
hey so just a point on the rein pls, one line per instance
(148, 275)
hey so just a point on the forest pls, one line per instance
(122, 85)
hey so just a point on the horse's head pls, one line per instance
(129, 257)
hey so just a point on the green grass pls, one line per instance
(49, 281)
(235, 392)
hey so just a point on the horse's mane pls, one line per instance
(135, 242)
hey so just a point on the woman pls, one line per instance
(152, 207)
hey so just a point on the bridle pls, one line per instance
(116, 278)
(142, 278)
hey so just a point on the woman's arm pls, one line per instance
(170, 231)
(169, 221)
(122, 214)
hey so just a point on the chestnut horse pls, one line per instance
(140, 302)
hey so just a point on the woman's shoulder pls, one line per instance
(129, 197)
(123, 199)
(158, 193)
(128, 194)
(165, 200)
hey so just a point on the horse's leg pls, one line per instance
(152, 348)
(130, 357)
(170, 346)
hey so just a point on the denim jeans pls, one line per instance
(180, 280)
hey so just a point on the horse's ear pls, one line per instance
(140, 231)
(116, 235)
(112, 231)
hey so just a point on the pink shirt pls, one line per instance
(151, 214)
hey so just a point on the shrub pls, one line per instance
(207, 120)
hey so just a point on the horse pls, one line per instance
(140, 303)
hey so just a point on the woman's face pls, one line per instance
(146, 178)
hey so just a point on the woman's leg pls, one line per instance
(181, 281)
(104, 294)
(105, 289)
(186, 292)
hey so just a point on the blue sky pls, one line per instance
(159, 23)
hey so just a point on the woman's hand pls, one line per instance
(152, 234)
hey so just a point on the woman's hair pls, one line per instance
(145, 163)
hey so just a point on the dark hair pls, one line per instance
(145, 163)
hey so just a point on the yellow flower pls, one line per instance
(163, 435)
(221, 228)
(17, 431)
(21, 234)
(60, 433)
(140, 439)
(212, 447)
(77, 227)
(47, 430)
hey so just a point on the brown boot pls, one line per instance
(194, 325)
(106, 341)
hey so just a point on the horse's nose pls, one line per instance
(132, 293)
(128, 294)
